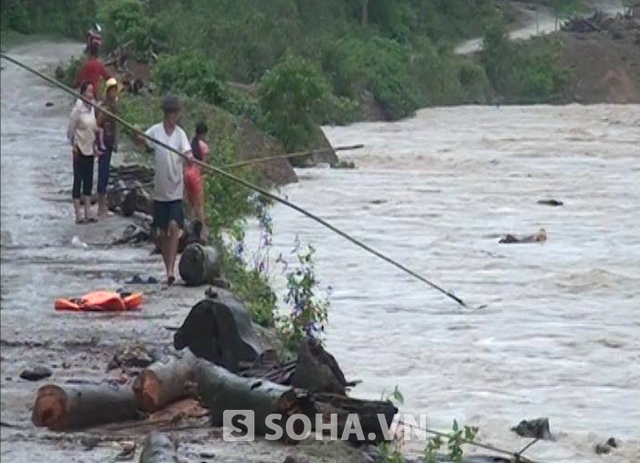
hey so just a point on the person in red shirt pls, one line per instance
(92, 71)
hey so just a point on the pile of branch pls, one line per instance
(584, 25)
(225, 368)
(601, 22)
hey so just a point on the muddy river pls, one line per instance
(559, 336)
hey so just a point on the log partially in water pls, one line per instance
(76, 406)
(158, 448)
(163, 383)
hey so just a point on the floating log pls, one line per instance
(220, 330)
(221, 390)
(349, 147)
(158, 448)
(75, 406)
(199, 265)
(163, 383)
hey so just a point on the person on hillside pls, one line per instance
(193, 176)
(168, 213)
(92, 71)
(81, 133)
(109, 133)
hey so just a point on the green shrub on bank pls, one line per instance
(292, 96)
(376, 65)
(193, 74)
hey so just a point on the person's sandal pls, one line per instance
(91, 220)
(80, 220)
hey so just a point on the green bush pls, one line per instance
(194, 75)
(292, 96)
(524, 72)
(376, 65)
(540, 78)
(128, 22)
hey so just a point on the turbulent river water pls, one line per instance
(560, 334)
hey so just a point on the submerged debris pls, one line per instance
(537, 429)
(36, 373)
(605, 447)
(538, 237)
(550, 202)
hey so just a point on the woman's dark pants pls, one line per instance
(82, 176)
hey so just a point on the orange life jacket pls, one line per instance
(101, 301)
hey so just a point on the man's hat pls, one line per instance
(171, 104)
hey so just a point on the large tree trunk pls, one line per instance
(157, 448)
(221, 390)
(220, 330)
(76, 406)
(163, 383)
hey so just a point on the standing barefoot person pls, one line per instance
(110, 138)
(81, 133)
(168, 214)
(193, 176)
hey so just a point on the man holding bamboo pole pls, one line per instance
(168, 190)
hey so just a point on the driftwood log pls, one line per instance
(76, 406)
(158, 448)
(220, 390)
(163, 383)
(220, 330)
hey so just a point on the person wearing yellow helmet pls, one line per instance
(109, 128)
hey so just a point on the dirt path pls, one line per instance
(539, 22)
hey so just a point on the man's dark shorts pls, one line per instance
(167, 211)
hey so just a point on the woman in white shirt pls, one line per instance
(82, 132)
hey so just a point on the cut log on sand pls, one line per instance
(158, 448)
(75, 406)
(220, 330)
(163, 383)
(221, 390)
